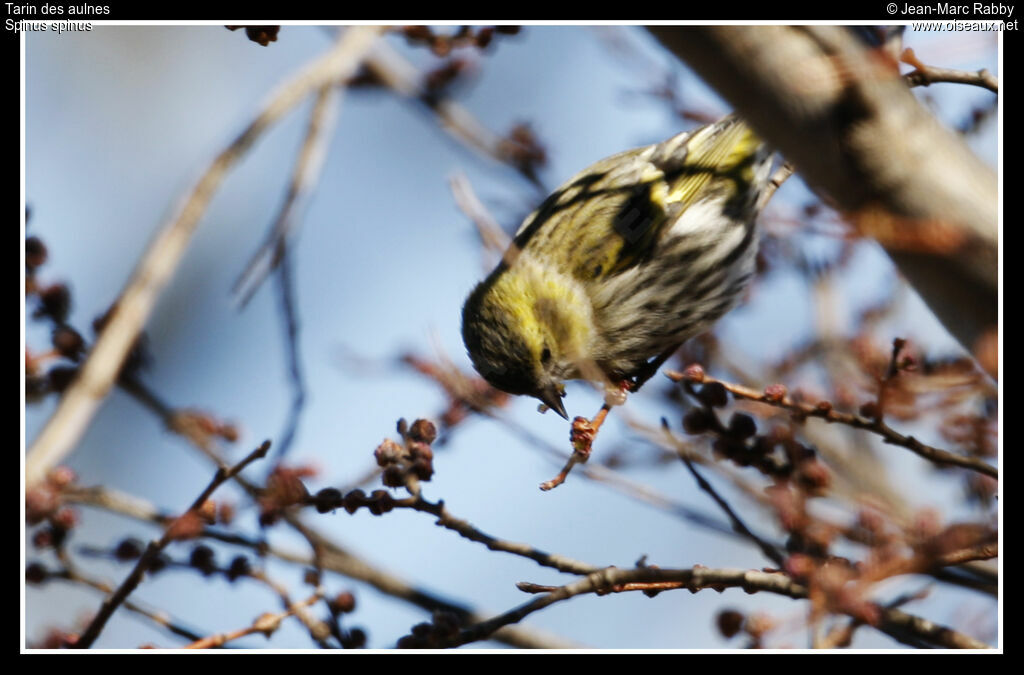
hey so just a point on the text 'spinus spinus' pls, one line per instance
(621, 264)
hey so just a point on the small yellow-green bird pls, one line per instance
(622, 264)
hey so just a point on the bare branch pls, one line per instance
(892, 621)
(924, 75)
(135, 577)
(265, 624)
(827, 413)
(332, 557)
(305, 176)
(770, 551)
(352, 501)
(74, 575)
(401, 76)
(492, 236)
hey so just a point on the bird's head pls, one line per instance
(526, 329)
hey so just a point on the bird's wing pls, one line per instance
(609, 217)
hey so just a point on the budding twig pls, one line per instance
(826, 412)
(582, 436)
(155, 547)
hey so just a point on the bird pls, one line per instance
(622, 264)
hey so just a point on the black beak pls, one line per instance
(551, 396)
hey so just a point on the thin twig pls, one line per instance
(155, 547)
(924, 75)
(286, 287)
(445, 519)
(492, 237)
(275, 254)
(737, 523)
(827, 413)
(74, 575)
(611, 579)
(402, 77)
(83, 398)
(843, 635)
(318, 630)
(582, 437)
(304, 179)
(265, 624)
(335, 558)
(780, 176)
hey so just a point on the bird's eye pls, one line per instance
(545, 355)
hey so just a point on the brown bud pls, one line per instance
(344, 602)
(266, 623)
(203, 559)
(35, 253)
(423, 431)
(327, 499)
(484, 37)
(60, 377)
(208, 511)
(61, 476)
(419, 450)
(353, 500)
(814, 475)
(225, 513)
(239, 568)
(729, 622)
(713, 395)
(65, 518)
(55, 303)
(394, 476)
(388, 453)
(229, 432)
(68, 342)
(36, 573)
(380, 502)
(128, 549)
(355, 639)
(742, 426)
(423, 469)
(869, 410)
(188, 526)
(40, 502)
(694, 373)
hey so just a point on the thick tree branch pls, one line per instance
(841, 113)
(893, 622)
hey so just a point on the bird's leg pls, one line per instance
(650, 368)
